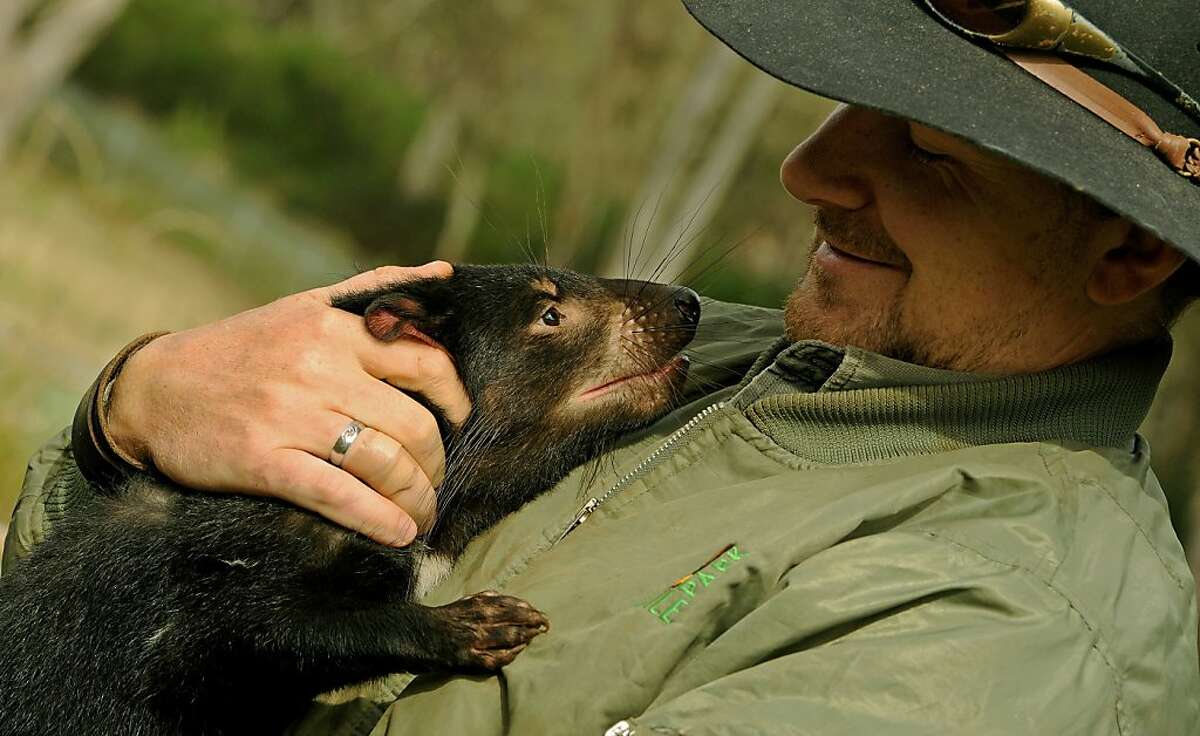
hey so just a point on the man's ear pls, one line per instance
(419, 313)
(1140, 262)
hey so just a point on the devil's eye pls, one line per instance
(551, 317)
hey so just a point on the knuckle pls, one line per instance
(426, 429)
(273, 476)
(242, 450)
(389, 453)
(400, 476)
(326, 322)
(414, 478)
(263, 475)
(310, 364)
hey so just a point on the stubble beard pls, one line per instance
(987, 343)
(810, 315)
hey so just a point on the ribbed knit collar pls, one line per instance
(832, 405)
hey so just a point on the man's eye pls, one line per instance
(923, 155)
(551, 317)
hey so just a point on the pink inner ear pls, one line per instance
(415, 334)
(384, 324)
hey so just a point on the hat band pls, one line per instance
(1179, 152)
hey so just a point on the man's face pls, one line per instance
(932, 250)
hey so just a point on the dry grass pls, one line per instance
(78, 279)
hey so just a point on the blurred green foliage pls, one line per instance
(327, 129)
(522, 188)
(297, 115)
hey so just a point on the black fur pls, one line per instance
(157, 610)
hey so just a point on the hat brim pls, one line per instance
(893, 56)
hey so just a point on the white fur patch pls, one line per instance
(432, 570)
(377, 691)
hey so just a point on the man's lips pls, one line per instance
(844, 252)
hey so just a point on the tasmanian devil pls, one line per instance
(156, 610)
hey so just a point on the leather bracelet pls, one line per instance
(98, 458)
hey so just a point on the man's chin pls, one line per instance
(813, 312)
(881, 332)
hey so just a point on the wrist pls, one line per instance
(96, 453)
(123, 418)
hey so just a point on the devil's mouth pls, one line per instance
(678, 363)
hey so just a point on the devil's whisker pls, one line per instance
(645, 235)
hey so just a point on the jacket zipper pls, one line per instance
(649, 461)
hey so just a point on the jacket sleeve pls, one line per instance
(900, 633)
(52, 482)
(71, 464)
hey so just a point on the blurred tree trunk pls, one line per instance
(681, 243)
(464, 210)
(680, 134)
(35, 61)
(436, 142)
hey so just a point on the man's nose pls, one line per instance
(829, 168)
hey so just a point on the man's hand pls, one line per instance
(255, 402)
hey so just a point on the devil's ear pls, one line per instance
(420, 309)
(388, 316)
(410, 312)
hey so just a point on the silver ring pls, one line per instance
(337, 455)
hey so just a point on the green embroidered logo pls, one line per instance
(666, 606)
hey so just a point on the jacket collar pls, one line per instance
(844, 405)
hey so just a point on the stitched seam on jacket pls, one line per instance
(677, 461)
(840, 383)
(1112, 668)
(1057, 478)
(764, 443)
(1091, 482)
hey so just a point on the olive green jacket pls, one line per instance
(840, 544)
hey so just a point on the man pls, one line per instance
(924, 510)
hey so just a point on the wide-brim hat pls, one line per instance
(896, 56)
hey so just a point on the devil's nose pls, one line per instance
(688, 304)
